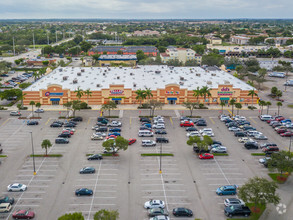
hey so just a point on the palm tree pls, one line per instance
(205, 91)
(36, 75)
(268, 104)
(88, 93)
(238, 106)
(279, 104)
(252, 93)
(222, 104)
(79, 93)
(32, 103)
(140, 95)
(46, 144)
(232, 103)
(261, 103)
(68, 105)
(38, 105)
(197, 93)
(148, 93)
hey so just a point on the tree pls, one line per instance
(32, 103)
(24, 85)
(259, 191)
(252, 93)
(68, 106)
(261, 103)
(279, 94)
(61, 63)
(110, 105)
(119, 52)
(281, 161)
(72, 216)
(212, 59)
(238, 106)
(119, 143)
(268, 104)
(148, 93)
(36, 75)
(85, 46)
(17, 62)
(279, 104)
(197, 93)
(104, 214)
(88, 93)
(274, 90)
(190, 105)
(202, 145)
(46, 144)
(45, 62)
(77, 39)
(140, 55)
(262, 73)
(222, 104)
(79, 93)
(76, 105)
(154, 104)
(232, 103)
(205, 92)
(38, 105)
(140, 95)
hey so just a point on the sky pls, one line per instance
(145, 9)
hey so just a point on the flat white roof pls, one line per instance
(152, 77)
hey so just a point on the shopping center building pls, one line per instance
(169, 85)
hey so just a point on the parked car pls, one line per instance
(55, 125)
(237, 210)
(16, 187)
(95, 157)
(64, 135)
(87, 170)
(201, 123)
(227, 190)
(97, 137)
(186, 124)
(234, 129)
(206, 156)
(160, 132)
(251, 145)
(270, 149)
(197, 150)
(131, 141)
(157, 211)
(83, 192)
(154, 203)
(102, 129)
(69, 125)
(23, 214)
(239, 134)
(145, 120)
(287, 134)
(115, 130)
(61, 141)
(114, 133)
(191, 129)
(260, 137)
(15, 113)
(32, 123)
(182, 212)
(233, 201)
(39, 110)
(160, 217)
(76, 119)
(115, 124)
(162, 140)
(159, 126)
(193, 133)
(219, 149)
(6, 199)
(148, 143)
(267, 145)
(244, 139)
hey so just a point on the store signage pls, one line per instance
(172, 92)
(225, 91)
(53, 93)
(116, 92)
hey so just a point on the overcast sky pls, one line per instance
(145, 9)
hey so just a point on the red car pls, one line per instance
(280, 131)
(287, 134)
(131, 141)
(280, 118)
(23, 214)
(111, 137)
(67, 132)
(206, 156)
(186, 124)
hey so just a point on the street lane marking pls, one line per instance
(212, 120)
(171, 120)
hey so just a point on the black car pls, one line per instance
(196, 150)
(243, 122)
(201, 123)
(162, 140)
(69, 125)
(217, 142)
(56, 125)
(267, 145)
(32, 123)
(61, 141)
(83, 192)
(191, 129)
(76, 119)
(160, 132)
(239, 134)
(182, 212)
(95, 157)
(6, 199)
(102, 129)
(238, 210)
(101, 123)
(100, 119)
(145, 128)
(64, 135)
(251, 145)
(145, 120)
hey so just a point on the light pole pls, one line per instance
(161, 157)
(33, 153)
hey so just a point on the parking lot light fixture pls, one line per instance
(33, 153)
(161, 157)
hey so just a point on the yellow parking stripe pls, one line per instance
(48, 121)
(5, 121)
(88, 121)
(252, 120)
(212, 120)
(130, 120)
(230, 112)
(171, 120)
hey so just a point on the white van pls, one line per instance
(5, 207)
(265, 117)
(147, 143)
(145, 133)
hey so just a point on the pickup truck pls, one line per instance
(233, 210)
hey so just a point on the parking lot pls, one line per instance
(127, 181)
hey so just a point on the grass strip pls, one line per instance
(258, 154)
(44, 155)
(255, 214)
(290, 106)
(3, 155)
(156, 155)
(220, 154)
(104, 155)
(278, 178)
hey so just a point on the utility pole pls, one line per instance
(13, 46)
(33, 153)
(56, 36)
(63, 34)
(34, 40)
(48, 39)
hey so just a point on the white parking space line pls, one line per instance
(158, 190)
(78, 204)
(26, 205)
(31, 198)
(169, 184)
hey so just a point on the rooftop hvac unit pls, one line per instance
(134, 84)
(181, 83)
(227, 82)
(181, 78)
(79, 74)
(213, 74)
(198, 74)
(82, 70)
(157, 71)
(65, 77)
(118, 77)
(98, 85)
(60, 70)
(209, 82)
(74, 81)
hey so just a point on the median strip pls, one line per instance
(220, 154)
(44, 155)
(258, 154)
(3, 155)
(157, 155)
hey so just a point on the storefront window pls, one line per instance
(206, 100)
(215, 100)
(241, 100)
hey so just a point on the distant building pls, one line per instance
(113, 50)
(279, 40)
(239, 40)
(213, 40)
(181, 54)
(39, 62)
(108, 60)
(146, 33)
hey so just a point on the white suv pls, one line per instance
(148, 143)
(159, 126)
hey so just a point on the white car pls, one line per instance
(100, 134)
(208, 133)
(219, 149)
(15, 113)
(205, 130)
(154, 203)
(234, 129)
(146, 143)
(16, 187)
(115, 124)
(111, 151)
(160, 217)
(159, 126)
(244, 139)
(158, 121)
(193, 133)
(95, 127)
(69, 129)
(260, 137)
(233, 201)
(97, 137)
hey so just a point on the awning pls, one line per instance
(116, 99)
(224, 98)
(171, 98)
(56, 99)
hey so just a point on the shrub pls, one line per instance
(251, 107)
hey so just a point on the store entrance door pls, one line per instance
(225, 100)
(172, 102)
(117, 102)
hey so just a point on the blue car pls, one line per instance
(115, 129)
(227, 190)
(286, 121)
(148, 125)
(114, 133)
(83, 192)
